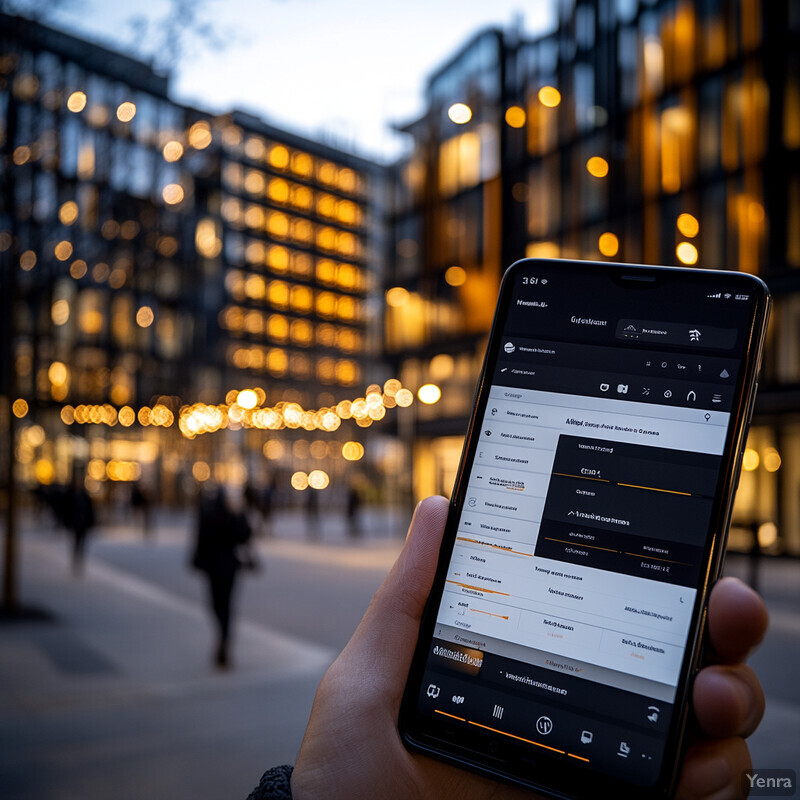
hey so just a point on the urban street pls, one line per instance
(111, 691)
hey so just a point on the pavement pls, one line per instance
(103, 694)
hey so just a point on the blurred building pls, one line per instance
(156, 261)
(654, 131)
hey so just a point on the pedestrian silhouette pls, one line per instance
(78, 514)
(353, 505)
(140, 507)
(221, 534)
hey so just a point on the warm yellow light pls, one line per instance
(127, 416)
(63, 250)
(688, 225)
(126, 111)
(172, 194)
(300, 481)
(455, 276)
(317, 479)
(608, 244)
(515, 116)
(201, 471)
(45, 471)
(429, 393)
(76, 102)
(460, 113)
(20, 408)
(200, 135)
(68, 212)
(247, 398)
(772, 460)
(687, 253)
(404, 398)
(353, 451)
(59, 312)
(397, 296)
(549, 96)
(597, 166)
(767, 534)
(78, 268)
(751, 460)
(27, 261)
(145, 317)
(172, 151)
(57, 373)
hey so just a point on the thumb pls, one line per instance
(384, 641)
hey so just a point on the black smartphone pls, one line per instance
(587, 525)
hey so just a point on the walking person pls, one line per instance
(221, 535)
(78, 511)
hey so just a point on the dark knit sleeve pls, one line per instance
(274, 785)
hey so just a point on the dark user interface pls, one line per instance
(572, 581)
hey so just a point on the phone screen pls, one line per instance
(590, 507)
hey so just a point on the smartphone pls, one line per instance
(587, 526)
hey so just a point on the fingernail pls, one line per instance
(710, 777)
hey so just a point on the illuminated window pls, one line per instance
(278, 157)
(278, 225)
(278, 191)
(200, 135)
(254, 182)
(302, 164)
(348, 340)
(326, 335)
(348, 213)
(278, 258)
(326, 239)
(302, 231)
(277, 361)
(255, 217)
(346, 308)
(278, 294)
(278, 328)
(348, 277)
(302, 197)
(254, 253)
(326, 205)
(347, 244)
(255, 148)
(302, 299)
(347, 372)
(302, 332)
(326, 304)
(326, 370)
(328, 173)
(348, 180)
(302, 265)
(326, 271)
(255, 287)
(254, 323)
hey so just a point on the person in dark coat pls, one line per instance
(78, 514)
(220, 534)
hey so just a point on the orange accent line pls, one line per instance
(654, 489)
(445, 714)
(512, 736)
(496, 546)
(478, 588)
(581, 544)
(489, 613)
(655, 558)
(580, 477)
(580, 758)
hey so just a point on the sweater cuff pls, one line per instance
(274, 785)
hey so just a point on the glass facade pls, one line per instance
(158, 260)
(660, 132)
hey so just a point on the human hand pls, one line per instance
(352, 748)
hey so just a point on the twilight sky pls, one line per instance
(342, 70)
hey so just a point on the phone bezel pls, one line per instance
(546, 774)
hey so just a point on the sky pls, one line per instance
(337, 70)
